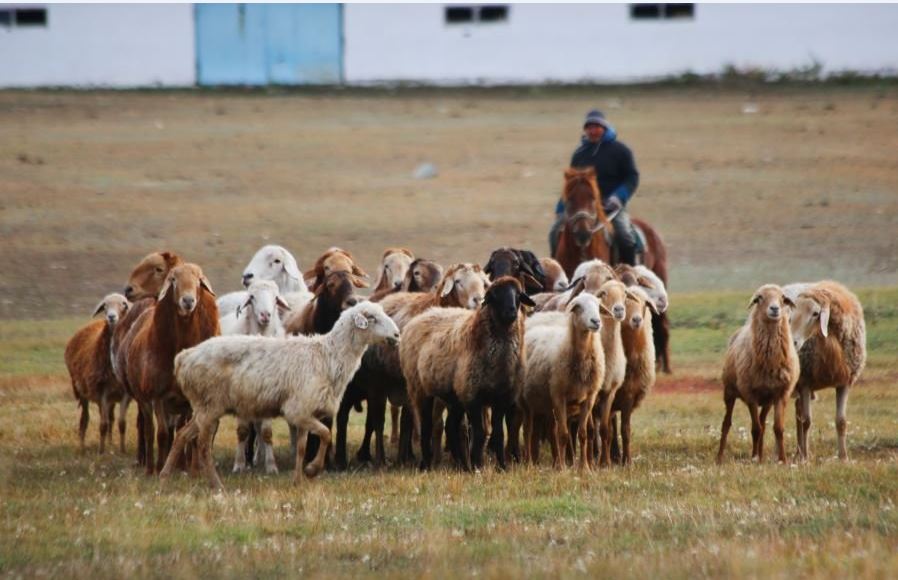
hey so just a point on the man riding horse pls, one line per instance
(617, 180)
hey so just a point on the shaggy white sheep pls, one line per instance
(254, 377)
(274, 263)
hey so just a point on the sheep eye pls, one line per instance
(277, 261)
(158, 270)
(816, 314)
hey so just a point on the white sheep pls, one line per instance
(258, 316)
(565, 369)
(302, 379)
(274, 263)
(831, 338)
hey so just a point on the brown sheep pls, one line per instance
(613, 296)
(639, 349)
(184, 316)
(761, 369)
(831, 338)
(556, 279)
(87, 358)
(335, 260)
(470, 359)
(380, 377)
(589, 277)
(142, 288)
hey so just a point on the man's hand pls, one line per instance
(612, 204)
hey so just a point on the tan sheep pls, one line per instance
(761, 369)
(830, 336)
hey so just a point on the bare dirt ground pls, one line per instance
(806, 187)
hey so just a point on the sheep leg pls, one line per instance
(377, 410)
(615, 444)
(148, 436)
(799, 431)
(457, 437)
(592, 442)
(730, 402)
(107, 418)
(514, 420)
(204, 449)
(406, 455)
(141, 440)
(424, 420)
(438, 427)
(185, 435)
(549, 429)
(561, 433)
(122, 423)
(803, 407)
(265, 450)
(842, 420)
(500, 414)
(162, 431)
(755, 430)
(324, 435)
(779, 423)
(341, 461)
(84, 422)
(394, 425)
(582, 434)
(302, 437)
(240, 454)
(625, 415)
(528, 435)
(475, 418)
(605, 428)
(765, 409)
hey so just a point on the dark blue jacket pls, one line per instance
(613, 161)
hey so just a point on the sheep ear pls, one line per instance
(165, 286)
(526, 300)
(100, 308)
(652, 306)
(579, 287)
(788, 302)
(249, 300)
(292, 268)
(360, 321)
(824, 321)
(754, 300)
(358, 271)
(490, 266)
(604, 309)
(358, 282)
(282, 303)
(572, 306)
(381, 273)
(645, 282)
(204, 282)
(531, 281)
(446, 288)
(573, 283)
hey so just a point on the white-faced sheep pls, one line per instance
(565, 369)
(556, 279)
(470, 359)
(258, 316)
(87, 358)
(761, 369)
(639, 350)
(273, 263)
(655, 288)
(588, 277)
(830, 335)
(253, 377)
(392, 273)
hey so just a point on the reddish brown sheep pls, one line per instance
(90, 367)
(184, 316)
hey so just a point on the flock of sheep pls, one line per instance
(484, 353)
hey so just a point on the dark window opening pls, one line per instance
(662, 11)
(493, 13)
(31, 17)
(459, 14)
(638, 11)
(5, 17)
(679, 10)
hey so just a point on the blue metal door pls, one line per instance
(257, 44)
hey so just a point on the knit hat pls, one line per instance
(595, 117)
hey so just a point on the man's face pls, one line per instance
(594, 132)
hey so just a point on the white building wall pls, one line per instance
(111, 45)
(573, 43)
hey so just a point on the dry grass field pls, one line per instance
(805, 188)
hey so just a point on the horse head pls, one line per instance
(584, 215)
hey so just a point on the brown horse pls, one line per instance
(583, 237)
(583, 218)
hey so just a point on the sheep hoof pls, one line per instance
(271, 469)
(312, 470)
(240, 469)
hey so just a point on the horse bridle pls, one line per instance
(599, 225)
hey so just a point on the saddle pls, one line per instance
(641, 244)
